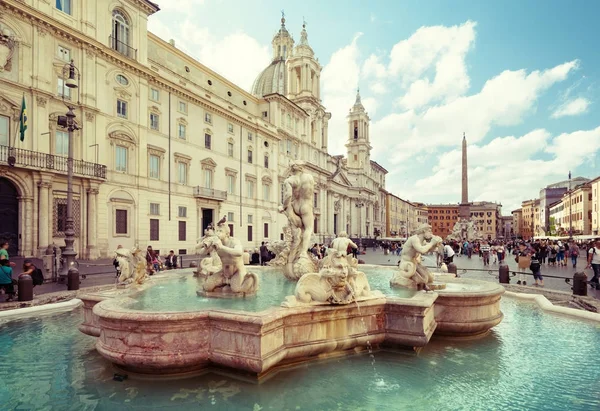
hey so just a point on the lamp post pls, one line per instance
(359, 204)
(570, 209)
(71, 77)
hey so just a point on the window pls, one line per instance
(230, 128)
(63, 91)
(120, 34)
(154, 209)
(121, 159)
(230, 216)
(182, 231)
(266, 192)
(122, 108)
(154, 94)
(182, 212)
(249, 136)
(316, 200)
(249, 218)
(282, 188)
(181, 131)
(250, 156)
(183, 106)
(154, 229)
(250, 188)
(230, 230)
(230, 149)
(154, 167)
(208, 118)
(265, 114)
(266, 161)
(61, 217)
(64, 53)
(207, 141)
(266, 230)
(230, 184)
(64, 6)
(249, 233)
(154, 121)
(121, 221)
(208, 178)
(61, 143)
(182, 173)
(122, 80)
(4, 130)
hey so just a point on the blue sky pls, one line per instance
(521, 79)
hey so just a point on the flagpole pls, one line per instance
(17, 128)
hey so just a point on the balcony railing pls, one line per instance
(35, 159)
(211, 193)
(122, 48)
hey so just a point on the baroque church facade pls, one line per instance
(166, 146)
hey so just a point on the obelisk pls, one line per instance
(464, 210)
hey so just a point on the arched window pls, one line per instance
(120, 33)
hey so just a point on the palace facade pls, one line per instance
(166, 145)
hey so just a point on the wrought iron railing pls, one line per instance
(122, 48)
(36, 159)
(211, 193)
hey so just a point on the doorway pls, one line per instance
(9, 215)
(207, 218)
(335, 224)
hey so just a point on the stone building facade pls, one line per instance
(166, 145)
(488, 218)
(517, 222)
(442, 218)
(595, 206)
(530, 211)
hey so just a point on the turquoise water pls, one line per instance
(531, 361)
(179, 293)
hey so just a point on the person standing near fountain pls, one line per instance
(411, 272)
(298, 207)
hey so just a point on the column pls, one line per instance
(28, 229)
(92, 223)
(330, 212)
(44, 212)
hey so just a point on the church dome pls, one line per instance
(273, 79)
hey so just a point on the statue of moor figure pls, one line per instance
(132, 266)
(224, 270)
(412, 273)
(298, 207)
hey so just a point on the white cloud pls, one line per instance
(179, 6)
(339, 80)
(572, 108)
(221, 54)
(504, 100)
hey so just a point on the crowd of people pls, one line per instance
(7, 281)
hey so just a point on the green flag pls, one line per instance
(23, 120)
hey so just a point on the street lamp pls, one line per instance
(570, 209)
(359, 204)
(71, 77)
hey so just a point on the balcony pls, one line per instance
(37, 160)
(122, 48)
(210, 193)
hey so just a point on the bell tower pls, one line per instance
(358, 144)
(304, 71)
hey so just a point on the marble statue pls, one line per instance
(281, 248)
(342, 242)
(464, 229)
(222, 272)
(338, 282)
(132, 265)
(298, 208)
(411, 272)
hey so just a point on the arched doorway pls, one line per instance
(9, 215)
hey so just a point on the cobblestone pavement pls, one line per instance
(491, 273)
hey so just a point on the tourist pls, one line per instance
(6, 281)
(156, 263)
(4, 253)
(31, 270)
(523, 259)
(485, 251)
(448, 254)
(574, 253)
(171, 260)
(535, 268)
(149, 258)
(594, 262)
(264, 253)
(551, 254)
(560, 256)
(255, 258)
(500, 251)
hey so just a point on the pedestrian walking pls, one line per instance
(536, 268)
(594, 263)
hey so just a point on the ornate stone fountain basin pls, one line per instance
(179, 343)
